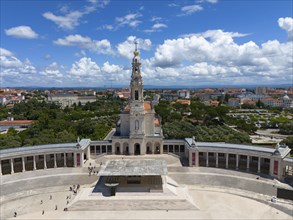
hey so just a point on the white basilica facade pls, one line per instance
(136, 132)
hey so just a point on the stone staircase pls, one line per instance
(135, 204)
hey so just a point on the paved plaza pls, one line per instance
(189, 193)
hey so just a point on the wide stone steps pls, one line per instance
(138, 204)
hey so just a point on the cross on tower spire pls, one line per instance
(135, 45)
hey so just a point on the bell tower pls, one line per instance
(136, 98)
(136, 84)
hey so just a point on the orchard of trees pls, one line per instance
(52, 124)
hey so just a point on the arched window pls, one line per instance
(136, 126)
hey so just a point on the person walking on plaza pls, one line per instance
(43, 212)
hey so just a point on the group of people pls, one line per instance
(92, 169)
(41, 203)
(43, 211)
(74, 188)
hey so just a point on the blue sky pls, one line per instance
(188, 43)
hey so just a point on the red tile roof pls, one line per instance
(16, 122)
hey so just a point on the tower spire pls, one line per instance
(135, 42)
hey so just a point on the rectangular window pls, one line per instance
(136, 95)
(165, 148)
(181, 148)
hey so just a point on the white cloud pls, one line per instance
(85, 67)
(21, 32)
(125, 48)
(108, 68)
(71, 19)
(190, 9)
(156, 27)
(159, 25)
(128, 20)
(172, 5)
(68, 21)
(155, 18)
(13, 70)
(98, 46)
(108, 27)
(52, 70)
(214, 56)
(4, 52)
(209, 1)
(287, 24)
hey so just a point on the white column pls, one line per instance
(23, 164)
(11, 165)
(0, 168)
(34, 162)
(237, 161)
(247, 165)
(55, 161)
(88, 153)
(95, 149)
(121, 149)
(65, 160)
(81, 158)
(153, 149)
(258, 165)
(207, 159)
(45, 161)
(217, 159)
(227, 160)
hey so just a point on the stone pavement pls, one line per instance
(213, 196)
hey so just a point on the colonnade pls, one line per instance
(40, 161)
(233, 160)
(236, 161)
(100, 149)
(174, 148)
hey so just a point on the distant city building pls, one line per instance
(169, 95)
(260, 90)
(16, 124)
(183, 94)
(234, 102)
(68, 99)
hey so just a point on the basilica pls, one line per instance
(138, 130)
